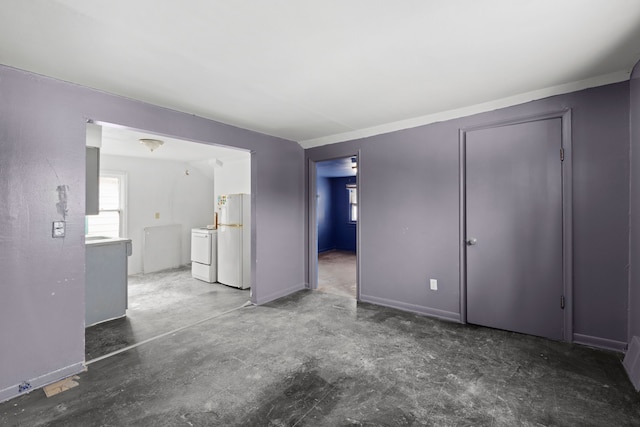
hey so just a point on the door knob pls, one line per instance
(472, 242)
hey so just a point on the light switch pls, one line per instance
(58, 229)
(157, 215)
(433, 284)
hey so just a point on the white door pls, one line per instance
(230, 255)
(201, 248)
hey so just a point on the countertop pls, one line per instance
(98, 240)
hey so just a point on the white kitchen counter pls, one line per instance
(99, 240)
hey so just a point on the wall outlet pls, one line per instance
(58, 229)
(433, 284)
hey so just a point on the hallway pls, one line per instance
(337, 273)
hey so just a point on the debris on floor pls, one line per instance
(60, 386)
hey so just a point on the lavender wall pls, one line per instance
(409, 206)
(634, 233)
(42, 146)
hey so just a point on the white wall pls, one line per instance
(234, 176)
(162, 186)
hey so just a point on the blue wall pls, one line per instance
(325, 219)
(344, 232)
(334, 229)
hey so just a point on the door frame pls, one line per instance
(252, 179)
(312, 261)
(567, 209)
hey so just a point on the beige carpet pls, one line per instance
(337, 273)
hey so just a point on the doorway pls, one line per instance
(170, 190)
(516, 223)
(334, 217)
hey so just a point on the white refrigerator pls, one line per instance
(234, 240)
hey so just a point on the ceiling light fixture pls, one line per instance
(151, 144)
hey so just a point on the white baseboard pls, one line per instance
(598, 342)
(427, 311)
(41, 381)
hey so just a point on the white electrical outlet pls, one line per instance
(58, 229)
(433, 284)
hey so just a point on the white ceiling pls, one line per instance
(118, 141)
(324, 71)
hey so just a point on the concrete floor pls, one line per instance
(317, 359)
(337, 273)
(158, 303)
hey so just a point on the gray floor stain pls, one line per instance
(289, 401)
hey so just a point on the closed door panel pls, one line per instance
(514, 216)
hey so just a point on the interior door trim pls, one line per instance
(312, 261)
(567, 209)
(312, 228)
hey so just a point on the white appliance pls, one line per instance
(203, 254)
(234, 240)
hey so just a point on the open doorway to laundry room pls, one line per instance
(152, 192)
(336, 219)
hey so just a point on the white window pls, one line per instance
(111, 219)
(353, 202)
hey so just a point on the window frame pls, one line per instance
(353, 202)
(122, 177)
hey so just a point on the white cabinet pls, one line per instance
(106, 279)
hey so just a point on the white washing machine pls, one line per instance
(204, 247)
